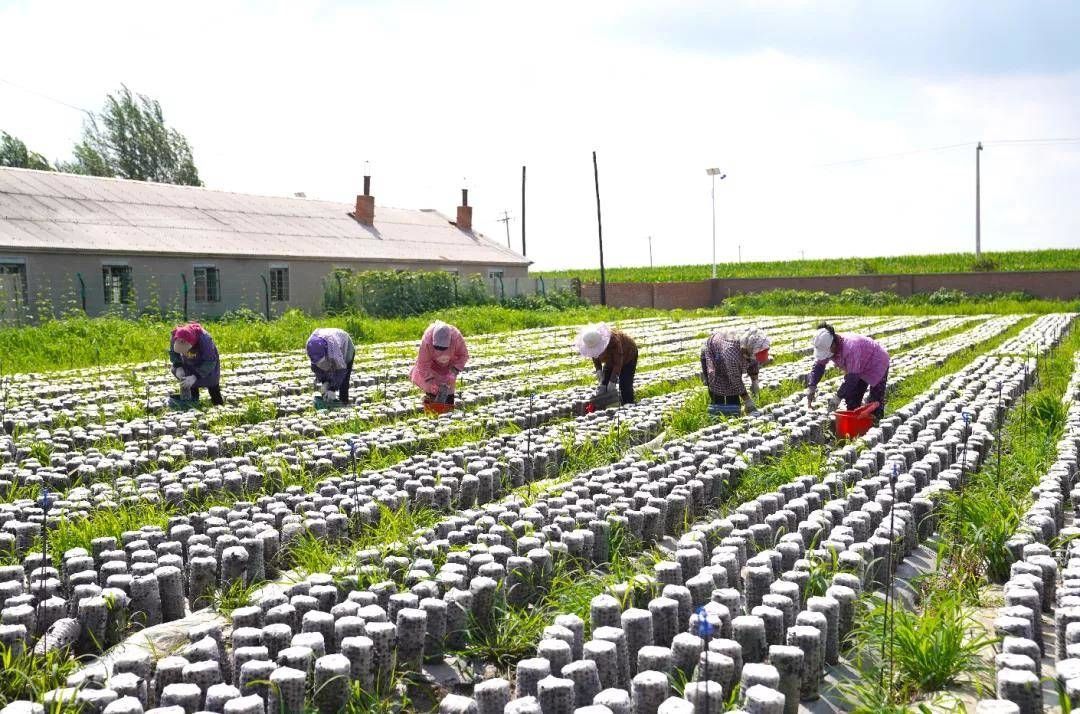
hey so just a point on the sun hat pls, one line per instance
(440, 335)
(592, 340)
(822, 344)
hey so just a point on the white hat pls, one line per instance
(822, 344)
(592, 340)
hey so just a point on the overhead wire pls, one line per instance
(46, 96)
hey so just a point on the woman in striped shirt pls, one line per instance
(725, 358)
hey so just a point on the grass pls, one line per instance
(26, 677)
(981, 521)
(79, 342)
(237, 595)
(80, 532)
(1065, 259)
(940, 646)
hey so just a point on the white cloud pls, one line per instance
(288, 97)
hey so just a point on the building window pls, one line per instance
(117, 280)
(279, 284)
(207, 285)
(492, 274)
(13, 284)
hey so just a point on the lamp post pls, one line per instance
(714, 173)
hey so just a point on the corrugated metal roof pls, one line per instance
(48, 211)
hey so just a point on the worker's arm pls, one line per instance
(817, 373)
(461, 353)
(615, 363)
(753, 369)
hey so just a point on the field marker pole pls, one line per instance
(599, 230)
(1001, 424)
(523, 210)
(978, 204)
(44, 556)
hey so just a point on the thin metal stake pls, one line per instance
(887, 625)
(44, 558)
(1000, 425)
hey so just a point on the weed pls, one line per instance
(239, 594)
(25, 676)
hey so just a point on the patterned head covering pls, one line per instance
(753, 341)
(188, 334)
(316, 348)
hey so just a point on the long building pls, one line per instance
(96, 243)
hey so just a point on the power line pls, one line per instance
(1061, 140)
(61, 102)
(897, 155)
(947, 147)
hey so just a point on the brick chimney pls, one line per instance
(365, 205)
(464, 212)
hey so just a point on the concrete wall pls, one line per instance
(51, 278)
(1047, 284)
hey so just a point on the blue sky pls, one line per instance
(916, 37)
(280, 97)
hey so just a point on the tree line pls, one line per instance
(127, 139)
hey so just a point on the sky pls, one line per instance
(826, 116)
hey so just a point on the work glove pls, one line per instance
(188, 382)
(444, 392)
(601, 389)
(324, 389)
(810, 394)
(179, 372)
(612, 387)
(748, 401)
(754, 389)
(599, 376)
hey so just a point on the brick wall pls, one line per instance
(1047, 284)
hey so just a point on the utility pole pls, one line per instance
(650, 251)
(506, 218)
(978, 205)
(599, 230)
(740, 252)
(523, 210)
(713, 173)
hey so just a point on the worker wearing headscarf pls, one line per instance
(864, 362)
(195, 363)
(614, 354)
(331, 352)
(726, 357)
(442, 356)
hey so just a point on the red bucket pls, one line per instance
(855, 423)
(433, 407)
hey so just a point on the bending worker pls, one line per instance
(331, 352)
(195, 363)
(614, 355)
(442, 356)
(864, 362)
(725, 358)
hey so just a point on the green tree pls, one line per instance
(13, 153)
(130, 139)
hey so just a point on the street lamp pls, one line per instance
(714, 173)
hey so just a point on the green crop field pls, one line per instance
(1063, 259)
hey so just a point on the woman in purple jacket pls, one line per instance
(195, 363)
(863, 361)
